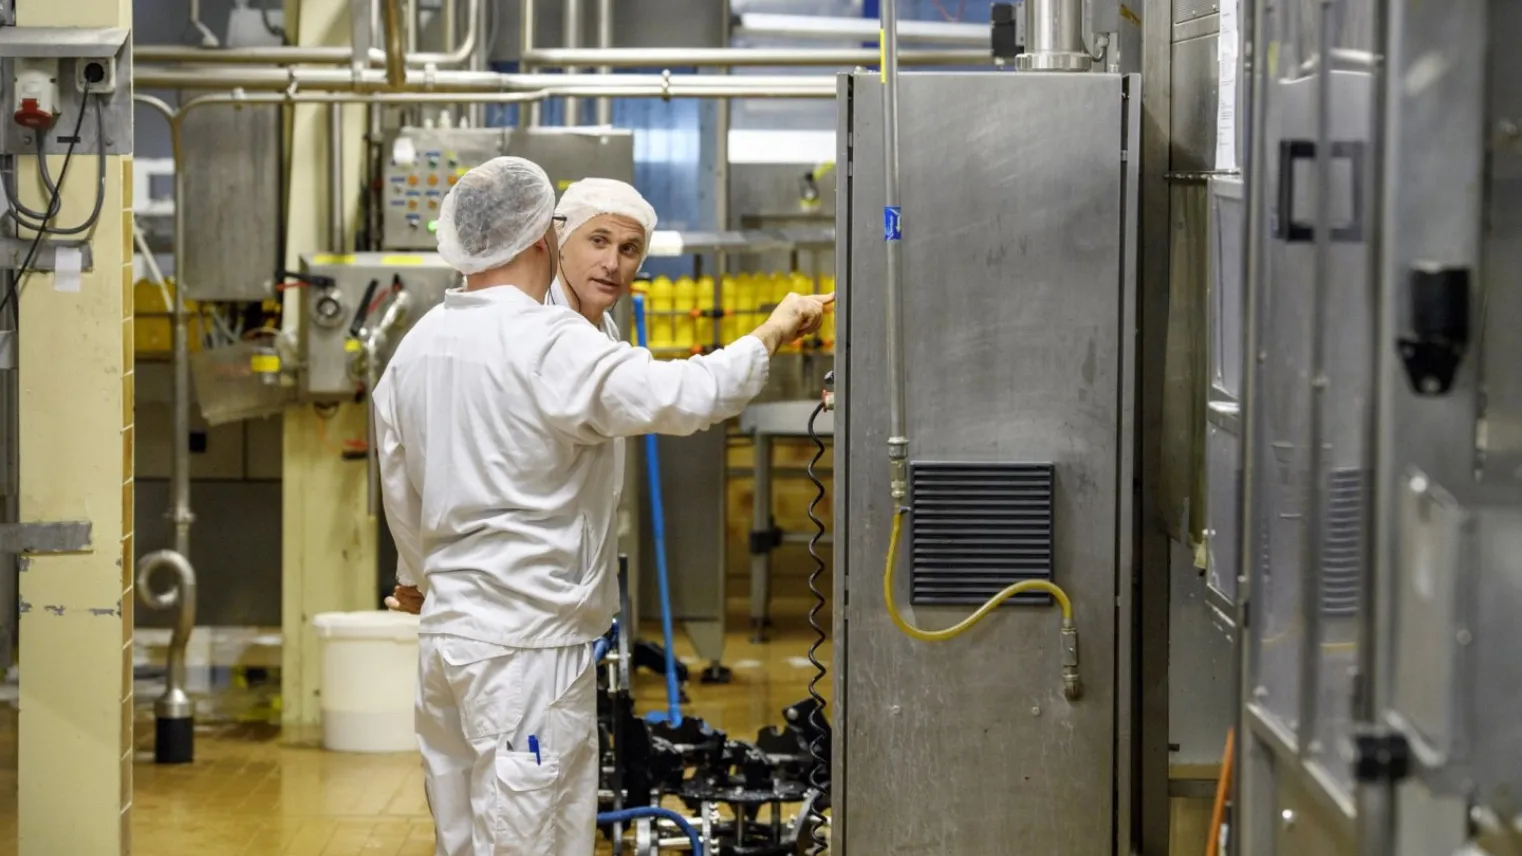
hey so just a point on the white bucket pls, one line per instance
(369, 680)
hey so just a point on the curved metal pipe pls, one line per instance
(175, 702)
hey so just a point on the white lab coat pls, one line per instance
(493, 421)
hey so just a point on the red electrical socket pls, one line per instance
(31, 115)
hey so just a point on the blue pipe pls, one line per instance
(673, 713)
(603, 643)
(651, 811)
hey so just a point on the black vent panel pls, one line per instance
(975, 529)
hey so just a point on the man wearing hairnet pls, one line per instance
(492, 423)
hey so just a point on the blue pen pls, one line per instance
(533, 746)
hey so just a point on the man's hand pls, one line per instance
(405, 599)
(796, 316)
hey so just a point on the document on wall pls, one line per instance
(1227, 51)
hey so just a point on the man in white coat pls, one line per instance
(493, 421)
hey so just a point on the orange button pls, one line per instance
(453, 179)
(412, 179)
(432, 204)
(412, 203)
(433, 179)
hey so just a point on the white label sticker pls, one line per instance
(66, 267)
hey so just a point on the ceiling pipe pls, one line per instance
(742, 57)
(447, 82)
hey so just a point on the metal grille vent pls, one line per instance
(976, 529)
(1342, 553)
(1188, 10)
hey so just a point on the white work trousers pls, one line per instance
(491, 794)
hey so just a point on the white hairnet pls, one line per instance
(592, 197)
(494, 212)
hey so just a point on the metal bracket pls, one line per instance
(69, 536)
(13, 252)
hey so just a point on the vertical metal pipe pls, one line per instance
(336, 230)
(451, 24)
(1054, 37)
(396, 54)
(528, 115)
(414, 17)
(605, 41)
(1315, 525)
(1253, 41)
(179, 468)
(573, 14)
(898, 438)
(721, 212)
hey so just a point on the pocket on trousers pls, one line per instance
(487, 682)
(526, 804)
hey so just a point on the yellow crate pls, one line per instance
(152, 325)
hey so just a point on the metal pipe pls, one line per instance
(336, 229)
(528, 117)
(766, 25)
(1315, 524)
(738, 57)
(573, 13)
(174, 711)
(412, 13)
(604, 41)
(391, 23)
(898, 436)
(1254, 18)
(1054, 37)
(461, 82)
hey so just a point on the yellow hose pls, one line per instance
(967, 623)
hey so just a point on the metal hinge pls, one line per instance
(69, 536)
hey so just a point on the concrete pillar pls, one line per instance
(76, 396)
(328, 549)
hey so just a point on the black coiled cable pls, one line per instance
(819, 773)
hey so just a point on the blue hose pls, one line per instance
(651, 811)
(673, 713)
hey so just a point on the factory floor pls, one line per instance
(250, 794)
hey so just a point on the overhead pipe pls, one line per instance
(173, 712)
(462, 82)
(898, 437)
(740, 57)
(457, 56)
(767, 25)
(391, 24)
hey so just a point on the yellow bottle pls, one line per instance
(746, 314)
(662, 324)
(703, 330)
(685, 301)
(731, 294)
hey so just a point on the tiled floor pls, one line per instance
(249, 794)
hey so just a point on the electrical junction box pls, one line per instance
(67, 78)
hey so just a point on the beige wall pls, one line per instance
(75, 756)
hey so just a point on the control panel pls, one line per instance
(422, 164)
